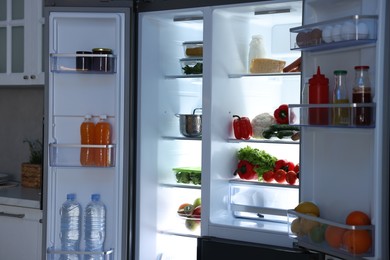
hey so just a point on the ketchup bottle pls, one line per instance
(318, 94)
(103, 137)
(87, 134)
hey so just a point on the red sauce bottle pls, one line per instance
(318, 94)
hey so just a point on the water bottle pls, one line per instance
(70, 233)
(95, 227)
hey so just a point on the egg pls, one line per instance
(327, 34)
(336, 33)
(348, 31)
(362, 30)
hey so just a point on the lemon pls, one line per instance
(308, 207)
(296, 227)
(307, 225)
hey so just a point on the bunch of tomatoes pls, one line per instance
(284, 171)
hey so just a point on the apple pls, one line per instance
(196, 213)
(197, 202)
(192, 224)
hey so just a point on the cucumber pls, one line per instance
(284, 133)
(267, 134)
(281, 127)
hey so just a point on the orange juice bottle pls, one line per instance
(87, 133)
(103, 137)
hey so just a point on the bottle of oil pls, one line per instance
(340, 114)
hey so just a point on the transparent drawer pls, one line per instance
(322, 235)
(53, 254)
(262, 201)
(342, 32)
(83, 63)
(68, 155)
(357, 115)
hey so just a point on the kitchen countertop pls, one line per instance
(20, 196)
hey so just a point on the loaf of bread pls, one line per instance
(266, 66)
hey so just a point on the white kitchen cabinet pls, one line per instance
(20, 233)
(21, 26)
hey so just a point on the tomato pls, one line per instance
(289, 166)
(280, 176)
(279, 164)
(268, 176)
(296, 168)
(291, 177)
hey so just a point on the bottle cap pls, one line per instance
(70, 196)
(95, 197)
(362, 67)
(319, 78)
(340, 72)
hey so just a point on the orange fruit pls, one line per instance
(357, 241)
(334, 236)
(358, 218)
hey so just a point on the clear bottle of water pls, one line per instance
(70, 232)
(95, 227)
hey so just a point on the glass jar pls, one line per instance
(362, 94)
(103, 61)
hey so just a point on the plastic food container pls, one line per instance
(191, 66)
(193, 49)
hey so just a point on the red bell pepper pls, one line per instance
(281, 114)
(242, 127)
(246, 170)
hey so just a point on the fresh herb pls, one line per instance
(197, 69)
(262, 160)
(36, 154)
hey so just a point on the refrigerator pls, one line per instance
(88, 72)
(342, 168)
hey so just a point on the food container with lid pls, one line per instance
(193, 49)
(103, 59)
(191, 66)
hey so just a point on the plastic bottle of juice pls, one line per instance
(103, 137)
(87, 134)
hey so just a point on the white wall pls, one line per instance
(21, 114)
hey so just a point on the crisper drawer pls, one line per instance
(262, 201)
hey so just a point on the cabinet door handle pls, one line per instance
(12, 215)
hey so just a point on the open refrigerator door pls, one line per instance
(87, 53)
(169, 133)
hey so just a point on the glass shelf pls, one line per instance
(279, 74)
(272, 140)
(67, 63)
(68, 155)
(190, 76)
(307, 114)
(338, 33)
(310, 233)
(52, 253)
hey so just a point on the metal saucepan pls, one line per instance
(191, 124)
